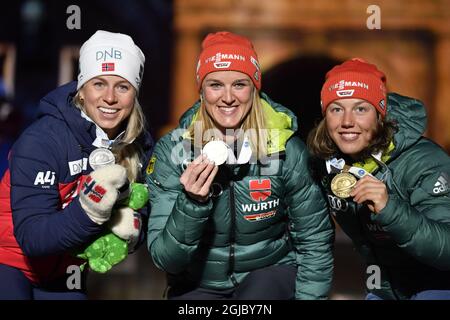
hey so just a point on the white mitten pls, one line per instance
(126, 224)
(100, 191)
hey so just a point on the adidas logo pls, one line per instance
(441, 185)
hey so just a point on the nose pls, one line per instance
(347, 120)
(228, 97)
(110, 96)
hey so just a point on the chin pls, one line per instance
(350, 151)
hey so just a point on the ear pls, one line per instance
(80, 95)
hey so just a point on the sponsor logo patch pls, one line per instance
(45, 178)
(260, 216)
(441, 185)
(345, 93)
(77, 166)
(260, 190)
(222, 64)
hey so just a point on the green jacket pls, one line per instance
(410, 238)
(269, 214)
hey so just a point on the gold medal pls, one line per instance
(342, 184)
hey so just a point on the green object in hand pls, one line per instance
(108, 250)
(138, 196)
(105, 252)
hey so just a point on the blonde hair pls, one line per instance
(253, 126)
(127, 152)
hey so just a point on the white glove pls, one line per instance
(100, 191)
(126, 224)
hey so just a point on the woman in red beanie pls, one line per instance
(234, 211)
(387, 185)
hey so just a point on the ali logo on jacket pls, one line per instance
(260, 190)
(45, 179)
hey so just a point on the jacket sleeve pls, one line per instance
(421, 224)
(176, 222)
(310, 225)
(41, 227)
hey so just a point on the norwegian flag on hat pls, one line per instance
(107, 66)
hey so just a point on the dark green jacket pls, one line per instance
(410, 238)
(268, 214)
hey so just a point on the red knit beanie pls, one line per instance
(355, 78)
(226, 51)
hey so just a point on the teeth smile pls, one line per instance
(227, 109)
(106, 110)
(349, 136)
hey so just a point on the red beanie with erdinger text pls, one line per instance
(355, 78)
(226, 51)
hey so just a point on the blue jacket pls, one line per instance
(47, 164)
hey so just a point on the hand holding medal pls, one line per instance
(371, 191)
(200, 173)
(367, 189)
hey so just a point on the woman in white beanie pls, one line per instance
(62, 184)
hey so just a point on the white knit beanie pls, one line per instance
(108, 53)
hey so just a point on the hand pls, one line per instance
(372, 191)
(197, 178)
(126, 224)
(100, 190)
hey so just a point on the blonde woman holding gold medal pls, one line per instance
(387, 185)
(234, 211)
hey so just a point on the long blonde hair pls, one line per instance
(253, 126)
(127, 152)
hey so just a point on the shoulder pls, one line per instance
(47, 132)
(164, 146)
(424, 160)
(167, 157)
(423, 155)
(297, 157)
(296, 151)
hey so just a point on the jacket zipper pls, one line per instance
(232, 234)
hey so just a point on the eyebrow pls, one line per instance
(354, 105)
(238, 80)
(123, 81)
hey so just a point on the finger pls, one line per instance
(362, 184)
(203, 176)
(197, 171)
(202, 186)
(207, 185)
(191, 165)
(199, 159)
(367, 180)
(373, 195)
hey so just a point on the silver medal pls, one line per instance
(101, 157)
(216, 151)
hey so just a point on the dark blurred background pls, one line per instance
(297, 43)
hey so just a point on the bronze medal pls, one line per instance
(342, 184)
